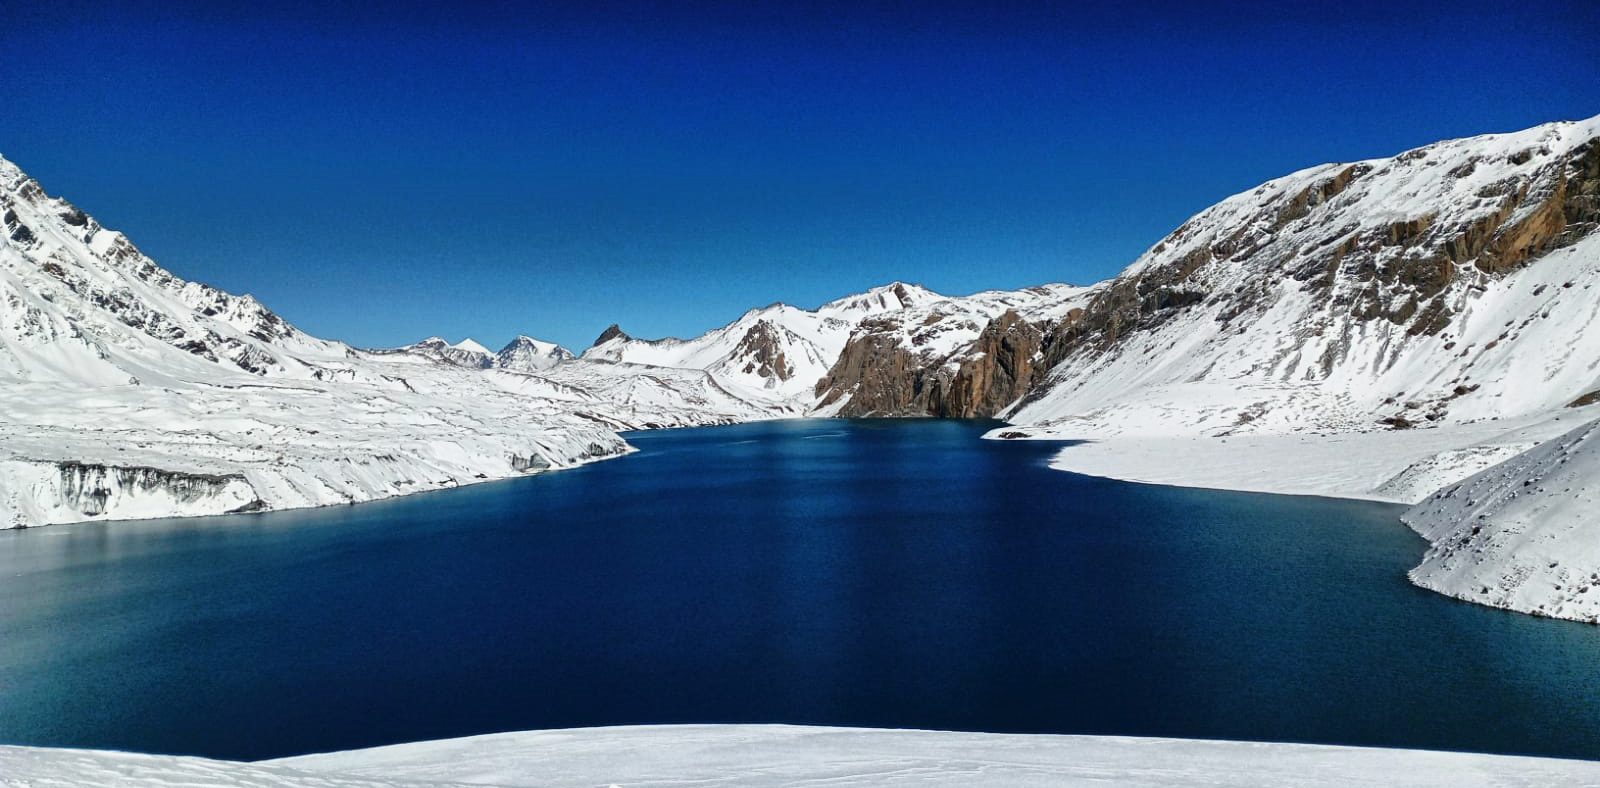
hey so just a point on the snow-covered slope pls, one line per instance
(1523, 535)
(128, 392)
(1446, 285)
(757, 756)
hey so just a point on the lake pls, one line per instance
(877, 573)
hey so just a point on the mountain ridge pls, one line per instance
(1404, 303)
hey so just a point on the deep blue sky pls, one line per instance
(499, 168)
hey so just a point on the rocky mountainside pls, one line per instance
(1384, 294)
(1388, 293)
(955, 357)
(895, 350)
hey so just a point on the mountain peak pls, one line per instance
(526, 354)
(889, 297)
(612, 332)
(471, 345)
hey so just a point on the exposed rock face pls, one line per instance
(999, 370)
(761, 348)
(876, 376)
(96, 490)
(613, 331)
(1349, 266)
(889, 368)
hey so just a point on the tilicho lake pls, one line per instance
(876, 573)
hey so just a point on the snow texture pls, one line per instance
(1522, 534)
(756, 756)
(126, 392)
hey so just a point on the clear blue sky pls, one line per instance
(488, 169)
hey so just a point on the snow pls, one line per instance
(471, 346)
(126, 392)
(129, 393)
(1520, 535)
(779, 353)
(1401, 466)
(753, 756)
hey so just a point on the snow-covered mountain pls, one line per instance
(779, 349)
(466, 353)
(1445, 285)
(526, 354)
(127, 392)
(895, 350)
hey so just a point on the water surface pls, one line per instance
(881, 573)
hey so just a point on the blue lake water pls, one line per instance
(880, 573)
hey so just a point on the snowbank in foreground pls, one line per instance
(774, 755)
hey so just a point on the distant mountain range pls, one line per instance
(1433, 293)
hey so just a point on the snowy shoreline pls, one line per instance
(1504, 505)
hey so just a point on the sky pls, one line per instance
(383, 174)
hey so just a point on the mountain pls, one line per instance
(1446, 285)
(895, 350)
(128, 392)
(466, 353)
(526, 354)
(956, 357)
(523, 354)
(779, 349)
